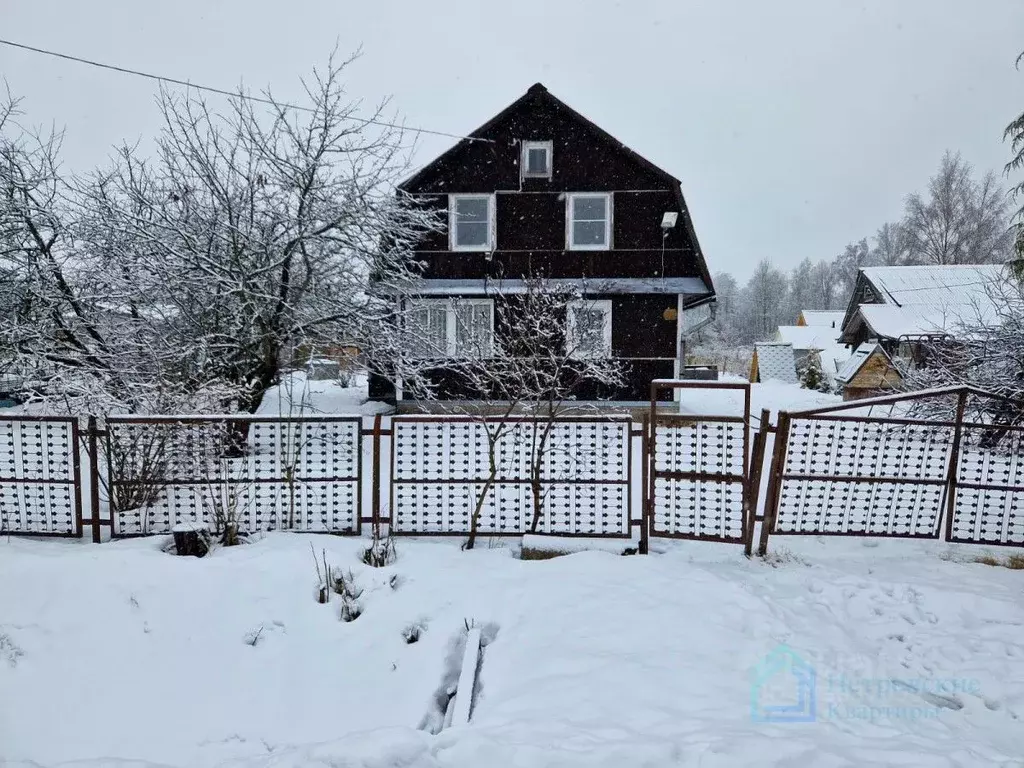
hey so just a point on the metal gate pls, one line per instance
(698, 467)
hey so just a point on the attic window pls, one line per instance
(536, 161)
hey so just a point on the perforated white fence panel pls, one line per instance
(440, 470)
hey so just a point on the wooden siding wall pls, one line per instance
(531, 214)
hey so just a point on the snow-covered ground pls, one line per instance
(120, 654)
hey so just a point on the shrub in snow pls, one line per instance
(381, 552)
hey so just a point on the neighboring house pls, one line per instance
(819, 341)
(821, 319)
(773, 361)
(547, 192)
(868, 372)
(897, 313)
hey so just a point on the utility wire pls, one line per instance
(222, 92)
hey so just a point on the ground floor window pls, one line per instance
(590, 328)
(458, 328)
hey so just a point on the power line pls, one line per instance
(221, 91)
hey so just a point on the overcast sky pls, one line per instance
(796, 126)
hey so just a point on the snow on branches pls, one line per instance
(185, 280)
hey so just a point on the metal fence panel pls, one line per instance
(989, 503)
(440, 467)
(863, 477)
(268, 473)
(40, 476)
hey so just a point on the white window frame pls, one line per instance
(549, 147)
(570, 204)
(605, 305)
(452, 216)
(451, 322)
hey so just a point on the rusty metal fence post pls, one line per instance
(93, 435)
(375, 479)
(645, 497)
(952, 477)
(754, 479)
(771, 503)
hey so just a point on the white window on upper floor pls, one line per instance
(450, 328)
(588, 221)
(589, 328)
(471, 222)
(536, 162)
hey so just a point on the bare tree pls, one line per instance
(892, 247)
(764, 299)
(849, 263)
(961, 220)
(824, 294)
(987, 352)
(547, 352)
(252, 231)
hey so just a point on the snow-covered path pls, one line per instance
(122, 652)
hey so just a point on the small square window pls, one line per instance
(536, 162)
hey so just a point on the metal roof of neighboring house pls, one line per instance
(823, 319)
(856, 361)
(692, 286)
(807, 336)
(928, 300)
(776, 361)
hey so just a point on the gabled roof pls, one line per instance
(775, 361)
(804, 337)
(860, 356)
(538, 93)
(924, 299)
(823, 319)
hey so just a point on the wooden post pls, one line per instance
(952, 477)
(645, 513)
(774, 482)
(93, 433)
(375, 479)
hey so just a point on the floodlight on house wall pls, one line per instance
(669, 219)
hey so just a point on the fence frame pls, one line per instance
(412, 418)
(75, 481)
(172, 421)
(658, 386)
(950, 482)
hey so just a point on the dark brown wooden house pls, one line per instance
(547, 192)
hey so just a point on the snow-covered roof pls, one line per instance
(928, 299)
(804, 337)
(934, 286)
(775, 361)
(856, 361)
(823, 319)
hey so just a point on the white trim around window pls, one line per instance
(594, 232)
(524, 162)
(476, 234)
(576, 346)
(454, 345)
